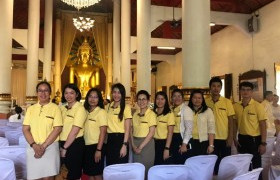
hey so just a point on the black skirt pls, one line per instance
(177, 157)
(90, 167)
(74, 158)
(159, 149)
(114, 145)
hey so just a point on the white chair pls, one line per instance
(18, 155)
(22, 141)
(7, 169)
(201, 167)
(274, 172)
(252, 175)
(3, 129)
(278, 178)
(3, 122)
(14, 124)
(4, 142)
(233, 166)
(13, 136)
(128, 171)
(168, 172)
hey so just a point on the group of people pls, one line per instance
(82, 135)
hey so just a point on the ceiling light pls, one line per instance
(82, 23)
(80, 3)
(212, 24)
(166, 47)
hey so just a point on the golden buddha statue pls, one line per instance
(84, 68)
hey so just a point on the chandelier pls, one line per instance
(80, 3)
(82, 23)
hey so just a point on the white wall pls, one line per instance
(236, 52)
(233, 51)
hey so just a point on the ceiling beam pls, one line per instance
(157, 57)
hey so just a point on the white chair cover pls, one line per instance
(14, 124)
(7, 169)
(278, 178)
(22, 141)
(18, 155)
(233, 166)
(276, 158)
(13, 136)
(168, 172)
(252, 175)
(3, 122)
(274, 172)
(201, 167)
(3, 129)
(4, 142)
(128, 171)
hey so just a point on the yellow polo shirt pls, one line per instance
(163, 121)
(114, 123)
(195, 134)
(248, 117)
(76, 116)
(177, 114)
(42, 120)
(95, 119)
(141, 124)
(222, 109)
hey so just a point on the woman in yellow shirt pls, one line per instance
(183, 128)
(41, 128)
(203, 133)
(119, 121)
(72, 143)
(94, 135)
(143, 130)
(164, 130)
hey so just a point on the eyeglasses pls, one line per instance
(43, 91)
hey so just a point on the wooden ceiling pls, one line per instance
(20, 19)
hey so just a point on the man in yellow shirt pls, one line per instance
(223, 113)
(251, 124)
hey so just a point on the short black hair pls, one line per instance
(44, 82)
(144, 92)
(75, 88)
(246, 84)
(203, 105)
(100, 99)
(266, 93)
(215, 79)
(177, 91)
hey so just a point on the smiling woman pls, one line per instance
(41, 127)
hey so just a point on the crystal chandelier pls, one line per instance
(82, 23)
(80, 3)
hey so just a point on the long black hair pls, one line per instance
(18, 110)
(100, 99)
(204, 107)
(75, 88)
(166, 108)
(121, 88)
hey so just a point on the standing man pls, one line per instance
(267, 103)
(223, 113)
(251, 124)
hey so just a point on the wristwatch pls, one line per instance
(125, 143)
(263, 143)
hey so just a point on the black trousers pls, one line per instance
(221, 150)
(114, 145)
(177, 157)
(198, 148)
(250, 144)
(159, 149)
(74, 158)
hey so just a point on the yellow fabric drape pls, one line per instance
(100, 37)
(67, 38)
(18, 85)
